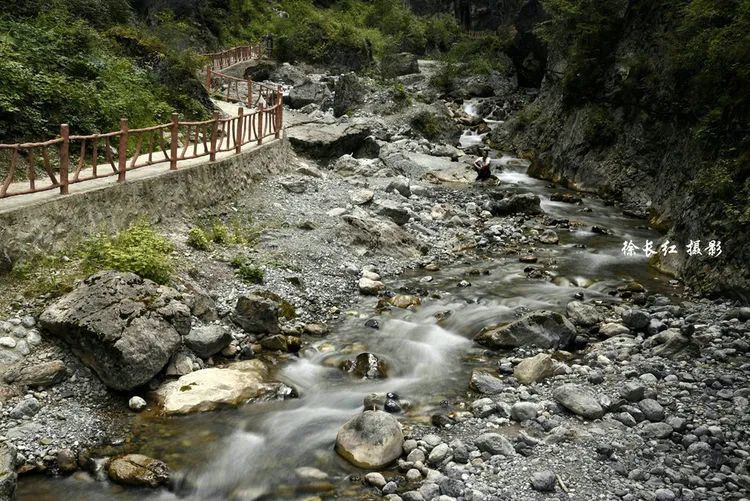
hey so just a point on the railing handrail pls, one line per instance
(163, 142)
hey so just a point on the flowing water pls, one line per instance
(252, 452)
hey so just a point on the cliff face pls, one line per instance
(623, 142)
(473, 15)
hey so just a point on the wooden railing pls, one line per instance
(234, 55)
(70, 159)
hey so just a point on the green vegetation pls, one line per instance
(68, 62)
(138, 249)
(198, 239)
(247, 271)
(428, 124)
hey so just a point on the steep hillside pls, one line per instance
(648, 103)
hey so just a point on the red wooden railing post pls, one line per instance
(122, 151)
(214, 136)
(249, 93)
(64, 158)
(238, 142)
(173, 144)
(260, 122)
(208, 79)
(279, 110)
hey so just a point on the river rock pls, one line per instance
(545, 329)
(636, 320)
(329, 142)
(370, 440)
(670, 344)
(613, 329)
(526, 203)
(398, 64)
(369, 287)
(276, 342)
(215, 388)
(549, 237)
(578, 400)
(366, 366)
(401, 185)
(483, 382)
(349, 93)
(27, 407)
(495, 444)
(207, 340)
(582, 314)
(136, 403)
(38, 374)
(7, 471)
(361, 197)
(306, 93)
(404, 301)
(543, 481)
(535, 369)
(257, 314)
(393, 211)
(122, 326)
(523, 411)
(138, 470)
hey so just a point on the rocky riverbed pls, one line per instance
(503, 346)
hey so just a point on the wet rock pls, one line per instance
(308, 92)
(543, 481)
(136, 404)
(7, 471)
(582, 314)
(207, 340)
(544, 329)
(368, 287)
(214, 388)
(404, 301)
(277, 342)
(636, 320)
(549, 237)
(578, 400)
(122, 326)
(371, 440)
(66, 461)
(316, 329)
(526, 203)
(535, 369)
(366, 366)
(361, 197)
(568, 198)
(138, 470)
(372, 323)
(257, 314)
(39, 374)
(483, 382)
(494, 444)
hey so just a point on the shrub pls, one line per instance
(247, 271)
(220, 234)
(428, 124)
(197, 239)
(138, 249)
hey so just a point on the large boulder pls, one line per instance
(7, 471)
(525, 203)
(578, 400)
(402, 63)
(122, 326)
(349, 93)
(138, 470)
(371, 440)
(544, 329)
(215, 388)
(329, 142)
(257, 314)
(308, 92)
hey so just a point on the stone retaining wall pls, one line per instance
(53, 225)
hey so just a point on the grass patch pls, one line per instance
(247, 271)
